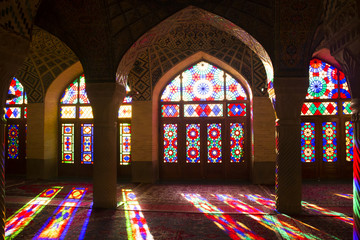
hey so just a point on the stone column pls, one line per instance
(13, 50)
(105, 99)
(290, 94)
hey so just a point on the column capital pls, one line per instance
(105, 99)
(290, 93)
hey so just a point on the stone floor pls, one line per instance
(63, 210)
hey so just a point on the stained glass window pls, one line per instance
(203, 110)
(83, 99)
(170, 143)
(329, 141)
(236, 109)
(125, 111)
(319, 108)
(13, 141)
(125, 143)
(172, 91)
(349, 137)
(193, 143)
(85, 112)
(214, 142)
(87, 143)
(70, 96)
(67, 142)
(170, 110)
(237, 142)
(346, 108)
(234, 91)
(17, 90)
(203, 91)
(12, 112)
(203, 82)
(307, 142)
(67, 112)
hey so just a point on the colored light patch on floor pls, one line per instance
(86, 222)
(19, 220)
(136, 225)
(347, 196)
(57, 225)
(235, 229)
(272, 223)
(327, 212)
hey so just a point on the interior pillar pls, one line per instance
(13, 50)
(105, 99)
(290, 94)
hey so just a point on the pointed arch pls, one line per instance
(164, 80)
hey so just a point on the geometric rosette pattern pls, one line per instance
(349, 138)
(170, 143)
(13, 141)
(193, 143)
(67, 142)
(307, 142)
(214, 142)
(236, 142)
(87, 142)
(329, 141)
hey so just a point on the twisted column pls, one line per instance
(355, 117)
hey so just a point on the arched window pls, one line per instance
(204, 126)
(326, 129)
(15, 114)
(77, 128)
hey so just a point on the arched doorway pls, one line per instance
(76, 133)
(204, 125)
(326, 128)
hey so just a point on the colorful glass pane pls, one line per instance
(322, 84)
(203, 110)
(67, 112)
(25, 98)
(214, 142)
(13, 141)
(307, 142)
(125, 143)
(346, 108)
(170, 110)
(329, 133)
(25, 112)
(127, 99)
(203, 82)
(17, 90)
(343, 86)
(58, 224)
(234, 90)
(125, 111)
(193, 143)
(87, 143)
(70, 95)
(67, 142)
(349, 137)
(172, 91)
(319, 108)
(170, 143)
(83, 99)
(236, 142)
(86, 112)
(12, 112)
(236, 109)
